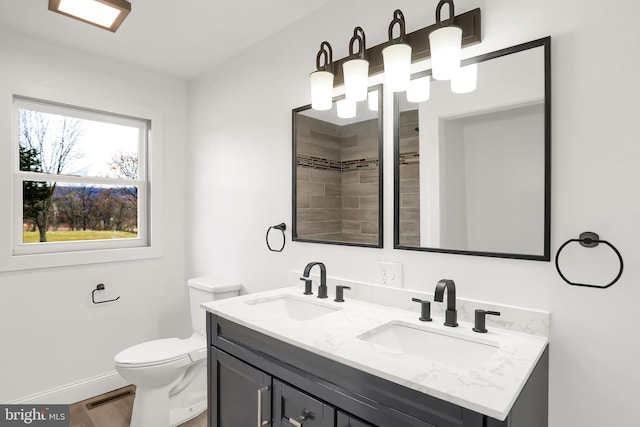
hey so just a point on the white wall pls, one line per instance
(51, 334)
(451, 184)
(240, 182)
(512, 218)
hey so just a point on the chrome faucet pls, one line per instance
(450, 315)
(322, 289)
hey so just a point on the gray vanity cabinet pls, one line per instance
(244, 394)
(255, 379)
(240, 392)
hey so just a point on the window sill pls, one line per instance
(66, 259)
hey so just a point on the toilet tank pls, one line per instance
(205, 289)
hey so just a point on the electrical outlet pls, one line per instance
(390, 274)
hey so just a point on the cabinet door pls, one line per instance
(346, 420)
(241, 394)
(293, 408)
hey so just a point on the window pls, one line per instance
(80, 181)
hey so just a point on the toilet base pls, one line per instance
(159, 407)
(185, 413)
(149, 407)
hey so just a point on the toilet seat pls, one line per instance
(163, 351)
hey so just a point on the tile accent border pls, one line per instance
(410, 157)
(313, 162)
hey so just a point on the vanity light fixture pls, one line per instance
(465, 79)
(346, 108)
(107, 14)
(397, 57)
(356, 69)
(446, 45)
(321, 80)
(419, 89)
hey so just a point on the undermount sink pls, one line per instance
(432, 345)
(293, 308)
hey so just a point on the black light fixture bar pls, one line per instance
(470, 22)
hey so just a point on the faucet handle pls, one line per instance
(307, 286)
(425, 309)
(340, 293)
(480, 320)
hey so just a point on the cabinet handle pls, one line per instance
(302, 418)
(261, 392)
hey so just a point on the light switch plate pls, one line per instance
(390, 274)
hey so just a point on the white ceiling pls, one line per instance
(182, 38)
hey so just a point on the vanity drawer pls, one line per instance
(293, 408)
(345, 420)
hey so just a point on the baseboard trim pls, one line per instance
(76, 391)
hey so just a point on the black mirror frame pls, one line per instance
(546, 256)
(294, 229)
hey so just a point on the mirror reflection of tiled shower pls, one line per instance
(409, 208)
(337, 180)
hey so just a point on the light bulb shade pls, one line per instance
(419, 90)
(465, 79)
(356, 79)
(397, 66)
(346, 109)
(321, 90)
(446, 47)
(373, 100)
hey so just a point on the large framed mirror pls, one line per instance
(337, 174)
(472, 170)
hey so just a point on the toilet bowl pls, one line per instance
(170, 373)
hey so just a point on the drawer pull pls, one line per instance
(261, 392)
(296, 422)
(302, 418)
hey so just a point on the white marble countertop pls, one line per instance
(490, 388)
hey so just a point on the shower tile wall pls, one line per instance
(409, 179)
(337, 181)
(319, 187)
(359, 156)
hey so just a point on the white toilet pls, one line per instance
(170, 374)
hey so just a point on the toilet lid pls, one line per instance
(159, 351)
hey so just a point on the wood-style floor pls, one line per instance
(116, 413)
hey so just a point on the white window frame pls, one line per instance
(15, 255)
